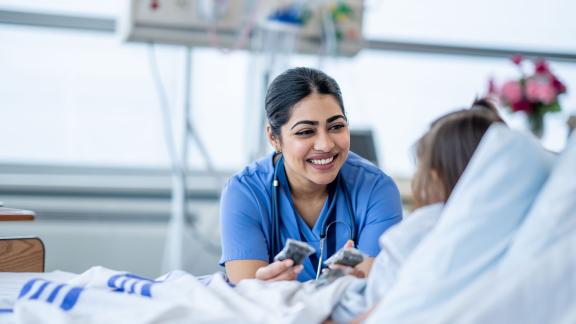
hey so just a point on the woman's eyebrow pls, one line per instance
(315, 123)
(333, 118)
(307, 122)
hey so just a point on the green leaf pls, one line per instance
(554, 107)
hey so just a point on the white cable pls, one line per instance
(330, 33)
(177, 169)
(165, 112)
(196, 137)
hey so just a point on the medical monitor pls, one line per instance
(362, 143)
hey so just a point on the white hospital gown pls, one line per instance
(396, 246)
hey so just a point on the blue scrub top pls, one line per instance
(246, 212)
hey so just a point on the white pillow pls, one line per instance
(553, 214)
(541, 290)
(484, 211)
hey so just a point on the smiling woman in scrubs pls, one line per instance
(322, 186)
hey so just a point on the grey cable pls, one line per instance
(171, 146)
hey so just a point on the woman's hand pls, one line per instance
(357, 271)
(348, 270)
(279, 270)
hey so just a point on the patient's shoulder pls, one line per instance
(403, 237)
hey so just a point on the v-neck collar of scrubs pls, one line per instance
(296, 226)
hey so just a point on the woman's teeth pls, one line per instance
(323, 161)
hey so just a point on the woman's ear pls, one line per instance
(272, 139)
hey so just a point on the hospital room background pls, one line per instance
(121, 120)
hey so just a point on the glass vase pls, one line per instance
(536, 124)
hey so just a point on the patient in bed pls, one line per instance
(442, 155)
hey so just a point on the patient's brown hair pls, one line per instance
(444, 151)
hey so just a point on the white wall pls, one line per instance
(135, 247)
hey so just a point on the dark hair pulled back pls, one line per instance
(290, 87)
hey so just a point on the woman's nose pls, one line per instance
(324, 142)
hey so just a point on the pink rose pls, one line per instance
(541, 67)
(522, 105)
(530, 91)
(539, 90)
(511, 92)
(517, 59)
(559, 86)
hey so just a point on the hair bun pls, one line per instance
(487, 107)
(484, 103)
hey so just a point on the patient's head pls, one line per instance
(444, 151)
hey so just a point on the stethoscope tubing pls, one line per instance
(275, 241)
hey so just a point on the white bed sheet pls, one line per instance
(102, 295)
(11, 283)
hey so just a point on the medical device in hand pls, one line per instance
(296, 250)
(349, 257)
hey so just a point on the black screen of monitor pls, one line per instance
(362, 143)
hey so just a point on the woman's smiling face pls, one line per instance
(315, 141)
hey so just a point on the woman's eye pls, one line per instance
(305, 132)
(337, 127)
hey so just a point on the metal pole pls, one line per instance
(179, 196)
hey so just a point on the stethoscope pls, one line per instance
(275, 240)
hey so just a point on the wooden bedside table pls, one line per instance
(20, 254)
(12, 214)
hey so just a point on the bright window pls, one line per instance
(528, 24)
(83, 98)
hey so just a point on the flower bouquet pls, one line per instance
(534, 94)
